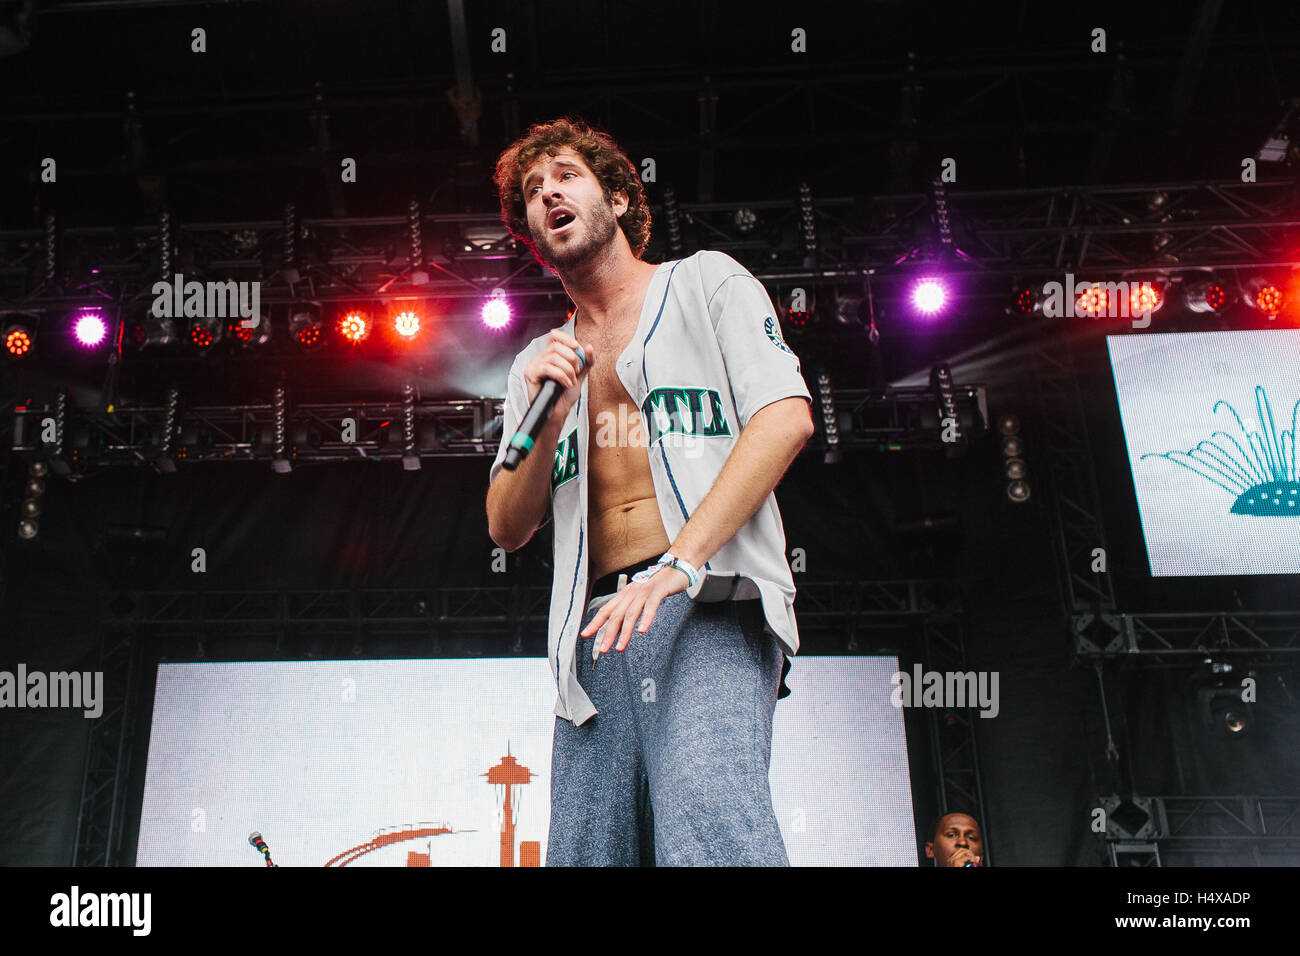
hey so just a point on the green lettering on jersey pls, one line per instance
(566, 460)
(684, 411)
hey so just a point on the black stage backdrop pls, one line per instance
(372, 525)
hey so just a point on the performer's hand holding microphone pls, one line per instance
(554, 379)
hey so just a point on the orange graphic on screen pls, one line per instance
(508, 774)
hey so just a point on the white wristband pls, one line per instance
(672, 561)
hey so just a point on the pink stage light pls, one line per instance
(90, 328)
(496, 312)
(928, 296)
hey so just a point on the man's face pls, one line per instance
(563, 181)
(958, 840)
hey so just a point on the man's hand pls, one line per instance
(636, 602)
(962, 856)
(559, 361)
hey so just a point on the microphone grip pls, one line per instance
(521, 443)
(524, 437)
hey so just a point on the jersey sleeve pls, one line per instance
(516, 405)
(761, 368)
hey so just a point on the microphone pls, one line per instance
(255, 840)
(522, 442)
(968, 863)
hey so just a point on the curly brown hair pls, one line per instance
(603, 157)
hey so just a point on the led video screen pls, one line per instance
(393, 763)
(1210, 426)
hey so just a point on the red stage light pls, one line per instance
(18, 342)
(1143, 297)
(407, 324)
(201, 336)
(1094, 301)
(306, 328)
(1268, 299)
(354, 326)
(308, 336)
(1206, 296)
(250, 334)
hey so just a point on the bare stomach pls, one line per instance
(624, 534)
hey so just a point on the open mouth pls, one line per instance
(562, 220)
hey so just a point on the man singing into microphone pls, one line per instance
(656, 467)
(955, 840)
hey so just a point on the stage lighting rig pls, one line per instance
(1280, 146)
(496, 310)
(150, 332)
(1093, 300)
(830, 424)
(848, 308)
(205, 332)
(1026, 300)
(410, 457)
(950, 430)
(797, 307)
(1014, 467)
(406, 323)
(1264, 294)
(19, 336)
(928, 296)
(90, 327)
(1206, 296)
(1145, 297)
(306, 328)
(673, 222)
(355, 326)
(1220, 699)
(30, 509)
(807, 224)
(416, 273)
(280, 463)
(163, 447)
(250, 336)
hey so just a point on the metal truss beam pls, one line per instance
(108, 757)
(953, 740)
(1183, 639)
(1106, 230)
(445, 428)
(822, 604)
(1262, 829)
(1076, 502)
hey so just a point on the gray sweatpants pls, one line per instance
(673, 769)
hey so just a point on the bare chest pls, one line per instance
(605, 390)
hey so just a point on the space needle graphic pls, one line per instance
(510, 775)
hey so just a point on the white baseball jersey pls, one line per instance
(706, 355)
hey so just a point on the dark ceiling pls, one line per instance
(713, 92)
